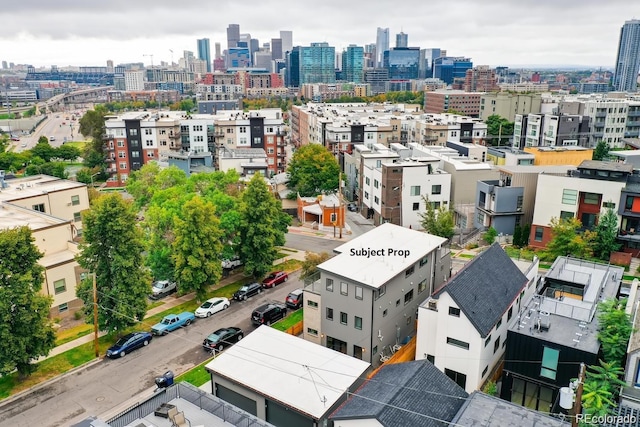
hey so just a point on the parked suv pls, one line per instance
(268, 313)
(294, 299)
(232, 263)
(247, 291)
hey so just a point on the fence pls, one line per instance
(296, 329)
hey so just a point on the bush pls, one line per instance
(490, 235)
(78, 315)
(490, 388)
(471, 246)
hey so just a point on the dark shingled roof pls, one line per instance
(413, 394)
(485, 288)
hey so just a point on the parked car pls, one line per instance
(232, 263)
(128, 343)
(162, 288)
(212, 306)
(171, 322)
(52, 138)
(352, 207)
(268, 313)
(294, 299)
(274, 279)
(247, 291)
(222, 338)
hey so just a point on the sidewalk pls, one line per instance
(326, 234)
(170, 302)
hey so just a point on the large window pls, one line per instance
(539, 233)
(569, 197)
(457, 343)
(436, 189)
(566, 215)
(59, 286)
(330, 285)
(549, 368)
(591, 199)
(408, 297)
(358, 292)
(344, 288)
(415, 190)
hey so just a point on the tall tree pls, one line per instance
(25, 330)
(601, 388)
(567, 240)
(112, 249)
(92, 125)
(262, 227)
(499, 129)
(313, 170)
(614, 329)
(437, 221)
(606, 235)
(197, 247)
(43, 150)
(601, 151)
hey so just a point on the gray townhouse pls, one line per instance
(365, 300)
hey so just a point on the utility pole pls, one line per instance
(577, 405)
(95, 316)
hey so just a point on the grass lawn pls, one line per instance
(78, 144)
(196, 376)
(290, 265)
(65, 335)
(289, 321)
(281, 255)
(469, 256)
(154, 304)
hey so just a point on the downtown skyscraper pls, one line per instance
(353, 64)
(204, 52)
(382, 45)
(625, 78)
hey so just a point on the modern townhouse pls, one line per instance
(566, 155)
(462, 327)
(364, 301)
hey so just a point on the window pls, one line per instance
(385, 312)
(549, 366)
(381, 291)
(408, 297)
(538, 236)
(509, 313)
(424, 260)
(344, 288)
(591, 199)
(422, 286)
(496, 345)
(376, 200)
(75, 200)
(313, 304)
(609, 205)
(357, 322)
(333, 218)
(416, 206)
(376, 183)
(343, 318)
(569, 197)
(499, 323)
(367, 180)
(39, 207)
(454, 311)
(415, 190)
(59, 286)
(457, 343)
(484, 371)
(313, 332)
(366, 195)
(63, 307)
(566, 215)
(123, 165)
(436, 189)
(410, 271)
(330, 285)
(122, 154)
(329, 313)
(150, 154)
(77, 217)
(487, 341)
(133, 132)
(135, 154)
(460, 379)
(358, 292)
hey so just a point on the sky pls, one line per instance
(491, 32)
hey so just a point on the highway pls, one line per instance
(57, 126)
(109, 383)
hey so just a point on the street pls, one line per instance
(52, 127)
(310, 243)
(109, 383)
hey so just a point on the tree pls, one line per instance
(490, 235)
(112, 249)
(437, 221)
(311, 262)
(566, 240)
(601, 151)
(606, 235)
(25, 330)
(499, 129)
(197, 247)
(600, 389)
(614, 329)
(92, 123)
(262, 227)
(43, 150)
(313, 170)
(67, 152)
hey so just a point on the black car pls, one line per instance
(247, 291)
(222, 338)
(352, 207)
(128, 343)
(266, 314)
(294, 299)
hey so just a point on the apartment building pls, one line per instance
(548, 130)
(481, 78)
(461, 102)
(507, 104)
(365, 299)
(462, 327)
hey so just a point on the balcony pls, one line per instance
(106, 137)
(218, 134)
(601, 114)
(175, 135)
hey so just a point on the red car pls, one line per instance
(275, 278)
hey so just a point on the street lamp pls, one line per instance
(97, 173)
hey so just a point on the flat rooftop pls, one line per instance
(375, 271)
(22, 188)
(12, 216)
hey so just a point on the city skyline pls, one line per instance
(500, 33)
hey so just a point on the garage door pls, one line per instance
(235, 398)
(282, 416)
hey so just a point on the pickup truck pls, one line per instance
(171, 322)
(162, 288)
(232, 263)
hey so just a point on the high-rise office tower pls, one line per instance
(353, 64)
(317, 63)
(402, 39)
(287, 41)
(233, 35)
(218, 51)
(204, 52)
(403, 63)
(276, 49)
(625, 78)
(382, 45)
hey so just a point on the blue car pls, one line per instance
(128, 343)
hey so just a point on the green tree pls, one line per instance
(614, 329)
(84, 175)
(490, 235)
(141, 183)
(600, 389)
(311, 262)
(197, 247)
(437, 221)
(43, 150)
(566, 239)
(262, 227)
(313, 170)
(499, 129)
(25, 330)
(92, 123)
(112, 249)
(67, 152)
(606, 235)
(601, 151)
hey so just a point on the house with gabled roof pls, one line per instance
(462, 327)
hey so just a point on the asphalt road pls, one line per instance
(52, 127)
(309, 243)
(109, 383)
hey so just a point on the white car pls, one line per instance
(212, 306)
